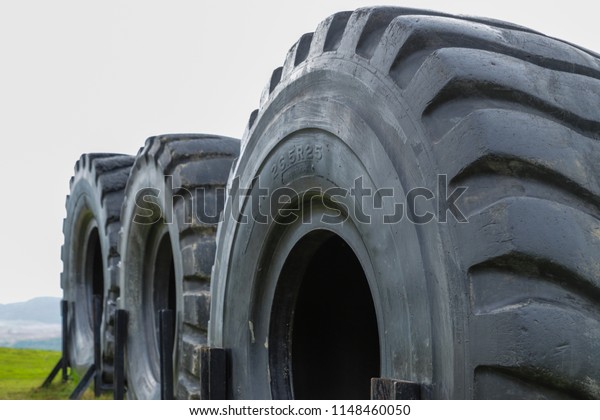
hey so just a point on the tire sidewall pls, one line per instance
(359, 138)
(142, 351)
(84, 213)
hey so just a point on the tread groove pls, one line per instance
(303, 48)
(424, 35)
(516, 278)
(485, 96)
(195, 162)
(513, 115)
(336, 30)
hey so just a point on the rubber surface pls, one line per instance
(174, 197)
(93, 221)
(504, 306)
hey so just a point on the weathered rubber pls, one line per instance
(198, 166)
(513, 295)
(96, 196)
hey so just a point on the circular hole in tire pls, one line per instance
(94, 273)
(324, 340)
(160, 273)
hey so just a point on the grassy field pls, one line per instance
(22, 372)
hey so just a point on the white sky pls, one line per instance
(79, 77)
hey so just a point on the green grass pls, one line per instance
(22, 371)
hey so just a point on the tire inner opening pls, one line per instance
(329, 328)
(164, 296)
(94, 274)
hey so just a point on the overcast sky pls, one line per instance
(79, 77)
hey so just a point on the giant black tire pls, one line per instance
(89, 254)
(174, 197)
(312, 304)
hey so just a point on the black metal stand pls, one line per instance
(84, 383)
(94, 371)
(165, 331)
(53, 373)
(391, 389)
(121, 318)
(165, 335)
(98, 385)
(63, 363)
(213, 370)
(64, 311)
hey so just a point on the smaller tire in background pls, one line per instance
(89, 254)
(173, 201)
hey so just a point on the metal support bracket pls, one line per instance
(94, 372)
(121, 319)
(84, 383)
(63, 363)
(213, 371)
(98, 385)
(165, 331)
(391, 389)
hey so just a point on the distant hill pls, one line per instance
(33, 324)
(42, 309)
